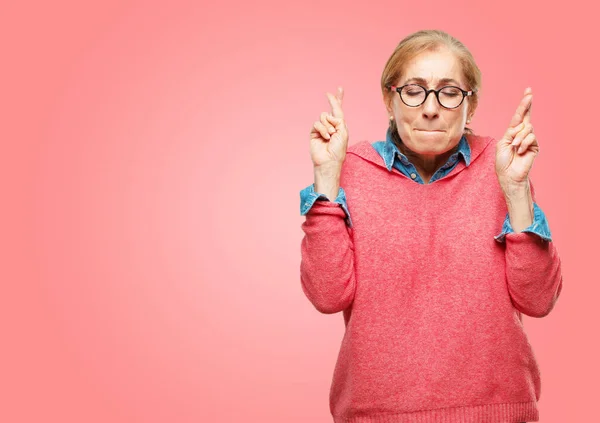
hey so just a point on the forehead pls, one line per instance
(432, 67)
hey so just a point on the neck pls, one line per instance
(426, 164)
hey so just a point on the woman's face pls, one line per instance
(430, 129)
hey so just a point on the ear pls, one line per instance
(387, 100)
(471, 112)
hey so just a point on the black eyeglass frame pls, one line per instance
(436, 92)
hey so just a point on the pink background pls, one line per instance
(152, 158)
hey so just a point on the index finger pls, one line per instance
(523, 109)
(336, 103)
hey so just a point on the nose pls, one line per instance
(431, 106)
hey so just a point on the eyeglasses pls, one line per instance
(413, 95)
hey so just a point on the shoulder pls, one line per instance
(360, 147)
(364, 153)
(360, 160)
(480, 140)
(481, 145)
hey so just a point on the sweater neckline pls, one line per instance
(365, 150)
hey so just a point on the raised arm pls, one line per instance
(327, 251)
(533, 267)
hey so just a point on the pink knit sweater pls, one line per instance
(431, 301)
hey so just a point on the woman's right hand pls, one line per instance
(329, 135)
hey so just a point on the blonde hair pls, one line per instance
(430, 40)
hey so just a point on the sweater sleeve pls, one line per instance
(533, 272)
(327, 265)
(327, 255)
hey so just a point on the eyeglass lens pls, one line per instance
(414, 95)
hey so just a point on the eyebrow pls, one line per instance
(441, 81)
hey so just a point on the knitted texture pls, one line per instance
(431, 301)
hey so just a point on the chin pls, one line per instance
(431, 138)
(432, 134)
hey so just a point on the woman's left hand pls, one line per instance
(517, 149)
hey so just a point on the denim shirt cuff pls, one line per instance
(308, 196)
(539, 226)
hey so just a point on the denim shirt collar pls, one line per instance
(390, 151)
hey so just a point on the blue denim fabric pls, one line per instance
(539, 226)
(392, 157)
(308, 196)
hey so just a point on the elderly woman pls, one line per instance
(433, 247)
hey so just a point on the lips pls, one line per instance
(430, 130)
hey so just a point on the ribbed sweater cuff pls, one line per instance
(490, 413)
